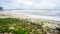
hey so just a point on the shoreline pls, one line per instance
(17, 15)
(52, 18)
(45, 17)
(50, 23)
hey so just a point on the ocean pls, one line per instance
(45, 14)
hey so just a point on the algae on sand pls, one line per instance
(21, 26)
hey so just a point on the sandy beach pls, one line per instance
(29, 16)
(50, 23)
(49, 26)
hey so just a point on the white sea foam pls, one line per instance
(45, 14)
(46, 17)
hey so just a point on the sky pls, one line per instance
(30, 4)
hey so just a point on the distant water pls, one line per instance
(45, 14)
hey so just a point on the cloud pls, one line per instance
(35, 4)
(28, 3)
(46, 4)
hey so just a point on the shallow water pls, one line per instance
(45, 14)
(39, 12)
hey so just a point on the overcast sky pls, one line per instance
(30, 4)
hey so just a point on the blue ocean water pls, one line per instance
(45, 14)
